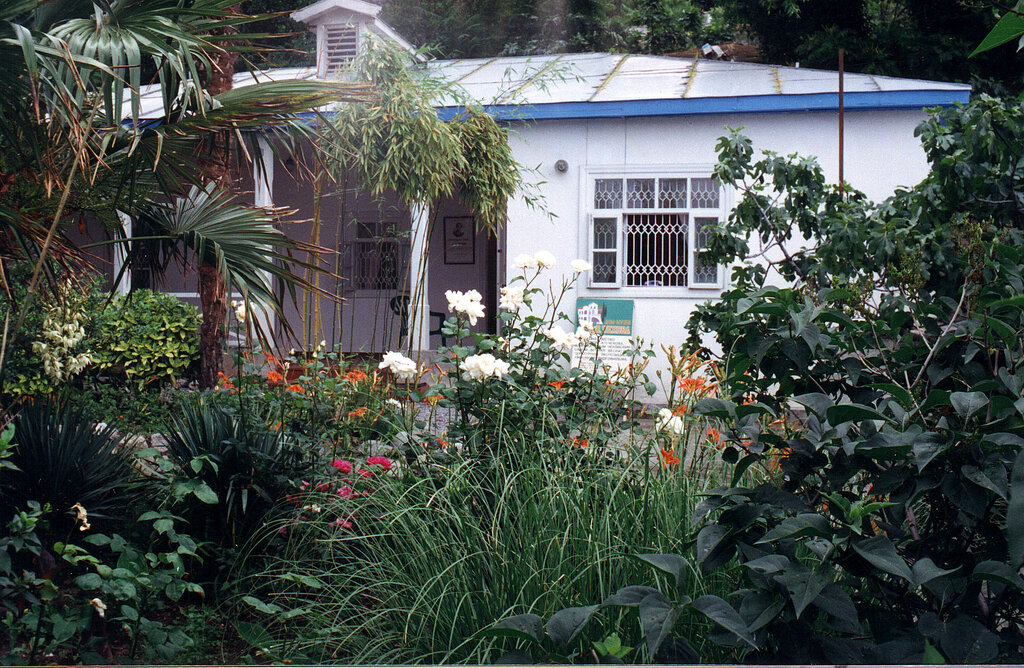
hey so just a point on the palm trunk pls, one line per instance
(212, 290)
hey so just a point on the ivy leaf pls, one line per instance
(967, 404)
(880, 552)
(672, 564)
(657, 617)
(566, 624)
(720, 612)
(527, 627)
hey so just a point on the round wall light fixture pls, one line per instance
(562, 166)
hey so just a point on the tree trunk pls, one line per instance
(215, 166)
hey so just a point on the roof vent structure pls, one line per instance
(340, 27)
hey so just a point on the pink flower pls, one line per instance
(305, 484)
(365, 473)
(283, 531)
(345, 492)
(323, 487)
(383, 462)
(341, 522)
(342, 465)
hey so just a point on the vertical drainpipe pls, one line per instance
(121, 253)
(841, 119)
(263, 196)
(419, 310)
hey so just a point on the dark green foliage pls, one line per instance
(911, 38)
(63, 459)
(234, 468)
(892, 529)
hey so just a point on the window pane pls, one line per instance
(655, 249)
(704, 193)
(604, 232)
(703, 270)
(604, 267)
(608, 193)
(639, 193)
(672, 193)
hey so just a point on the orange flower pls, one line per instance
(355, 376)
(668, 459)
(274, 377)
(224, 382)
(557, 384)
(271, 360)
(691, 385)
(714, 434)
(432, 399)
(580, 443)
(276, 426)
(679, 410)
(357, 413)
(443, 443)
(295, 387)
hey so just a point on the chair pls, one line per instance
(400, 307)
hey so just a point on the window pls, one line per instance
(644, 232)
(381, 258)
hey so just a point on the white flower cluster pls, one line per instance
(564, 339)
(62, 332)
(240, 313)
(541, 259)
(669, 421)
(466, 302)
(483, 366)
(511, 297)
(580, 266)
(404, 369)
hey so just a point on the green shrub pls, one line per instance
(147, 337)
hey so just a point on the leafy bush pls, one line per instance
(149, 338)
(893, 531)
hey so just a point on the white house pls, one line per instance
(624, 147)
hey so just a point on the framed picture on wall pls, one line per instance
(459, 240)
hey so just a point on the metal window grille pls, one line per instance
(640, 193)
(704, 194)
(671, 193)
(608, 194)
(656, 249)
(381, 259)
(341, 43)
(605, 256)
(704, 271)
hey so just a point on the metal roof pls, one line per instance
(601, 85)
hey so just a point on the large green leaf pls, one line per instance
(1015, 513)
(1008, 28)
(723, 614)
(565, 625)
(881, 552)
(657, 617)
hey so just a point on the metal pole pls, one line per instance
(841, 114)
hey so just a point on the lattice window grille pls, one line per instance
(381, 259)
(341, 43)
(604, 238)
(639, 193)
(608, 194)
(704, 271)
(656, 249)
(704, 194)
(671, 193)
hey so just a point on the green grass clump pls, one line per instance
(435, 555)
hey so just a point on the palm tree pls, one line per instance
(74, 146)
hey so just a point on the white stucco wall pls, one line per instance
(881, 154)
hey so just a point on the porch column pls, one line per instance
(419, 309)
(263, 196)
(121, 254)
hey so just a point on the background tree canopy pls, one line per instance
(910, 38)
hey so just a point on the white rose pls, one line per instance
(468, 303)
(511, 297)
(525, 261)
(669, 421)
(580, 266)
(401, 366)
(561, 338)
(483, 366)
(545, 260)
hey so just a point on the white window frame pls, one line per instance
(590, 174)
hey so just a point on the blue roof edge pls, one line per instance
(746, 104)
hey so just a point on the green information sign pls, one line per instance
(612, 317)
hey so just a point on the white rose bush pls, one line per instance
(528, 373)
